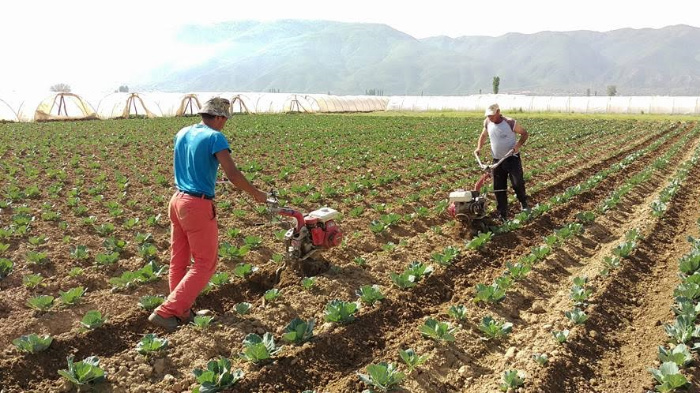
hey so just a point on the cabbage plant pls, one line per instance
(299, 331)
(448, 255)
(32, 343)
(219, 279)
(669, 377)
(577, 316)
(307, 283)
(32, 280)
(243, 270)
(242, 308)
(519, 270)
(272, 294)
(382, 376)
(403, 280)
(92, 320)
(151, 343)
(87, 371)
(680, 354)
(479, 241)
(150, 302)
(202, 321)
(511, 379)
(561, 335)
(494, 329)
(458, 312)
(41, 303)
(340, 311)
(419, 270)
(258, 349)
(541, 359)
(370, 294)
(438, 331)
(72, 296)
(216, 377)
(412, 359)
(489, 293)
(5, 267)
(682, 330)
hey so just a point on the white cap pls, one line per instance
(491, 110)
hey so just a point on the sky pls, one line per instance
(100, 45)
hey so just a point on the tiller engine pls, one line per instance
(311, 233)
(470, 206)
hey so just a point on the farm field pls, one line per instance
(576, 295)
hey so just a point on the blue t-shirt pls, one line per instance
(194, 161)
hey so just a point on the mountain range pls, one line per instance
(298, 56)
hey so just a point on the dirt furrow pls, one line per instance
(440, 288)
(619, 342)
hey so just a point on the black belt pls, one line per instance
(197, 194)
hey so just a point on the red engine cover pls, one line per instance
(318, 237)
(325, 235)
(333, 235)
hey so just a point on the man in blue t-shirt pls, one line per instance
(199, 150)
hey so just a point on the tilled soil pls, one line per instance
(610, 353)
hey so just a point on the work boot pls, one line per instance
(169, 323)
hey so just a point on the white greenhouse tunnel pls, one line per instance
(15, 107)
(557, 104)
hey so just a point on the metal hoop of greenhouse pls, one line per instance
(125, 105)
(7, 113)
(64, 106)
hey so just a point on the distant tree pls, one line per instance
(60, 88)
(479, 91)
(123, 89)
(588, 92)
(374, 92)
(612, 90)
(496, 83)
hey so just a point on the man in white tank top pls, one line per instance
(501, 132)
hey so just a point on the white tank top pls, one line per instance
(501, 136)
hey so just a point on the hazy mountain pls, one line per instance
(351, 58)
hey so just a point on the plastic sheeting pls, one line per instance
(559, 104)
(7, 113)
(125, 105)
(68, 106)
(64, 106)
(325, 103)
(42, 107)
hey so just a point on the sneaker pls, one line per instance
(524, 206)
(169, 324)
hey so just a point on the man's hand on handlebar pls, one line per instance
(260, 196)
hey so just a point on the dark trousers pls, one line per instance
(511, 168)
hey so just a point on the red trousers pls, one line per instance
(194, 247)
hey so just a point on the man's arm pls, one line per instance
(236, 177)
(482, 140)
(523, 137)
